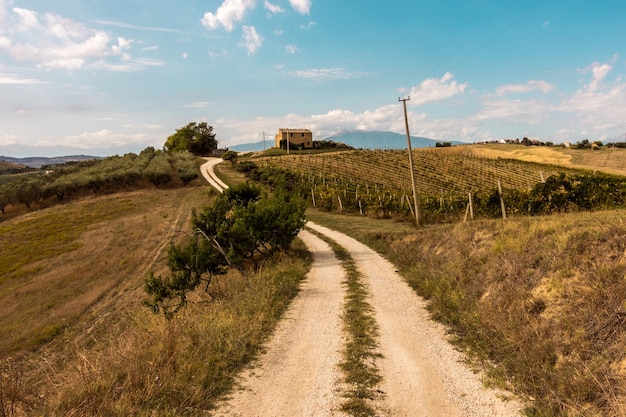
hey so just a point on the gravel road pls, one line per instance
(422, 374)
(298, 375)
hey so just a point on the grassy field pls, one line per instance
(76, 339)
(610, 160)
(538, 301)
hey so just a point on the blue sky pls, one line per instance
(111, 76)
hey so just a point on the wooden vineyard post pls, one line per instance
(410, 207)
(313, 195)
(470, 209)
(543, 180)
(340, 205)
(360, 208)
(501, 200)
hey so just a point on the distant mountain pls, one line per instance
(359, 139)
(38, 162)
(382, 140)
(249, 147)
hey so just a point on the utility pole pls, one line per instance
(408, 140)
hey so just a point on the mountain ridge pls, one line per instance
(360, 139)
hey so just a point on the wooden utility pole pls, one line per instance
(408, 140)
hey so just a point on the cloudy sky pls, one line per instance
(111, 76)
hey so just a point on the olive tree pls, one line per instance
(243, 222)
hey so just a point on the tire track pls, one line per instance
(299, 373)
(421, 372)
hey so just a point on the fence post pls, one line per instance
(501, 200)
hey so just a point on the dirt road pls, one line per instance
(422, 375)
(298, 374)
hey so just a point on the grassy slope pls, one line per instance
(611, 160)
(75, 336)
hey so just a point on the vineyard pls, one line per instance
(379, 183)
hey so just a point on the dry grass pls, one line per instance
(610, 160)
(538, 301)
(58, 263)
(75, 331)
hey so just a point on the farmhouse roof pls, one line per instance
(285, 129)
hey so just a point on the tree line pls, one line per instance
(150, 167)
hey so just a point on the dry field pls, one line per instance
(610, 160)
(87, 258)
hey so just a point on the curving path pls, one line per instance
(422, 374)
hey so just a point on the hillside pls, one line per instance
(11, 168)
(448, 171)
(610, 160)
(39, 161)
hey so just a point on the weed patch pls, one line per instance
(361, 373)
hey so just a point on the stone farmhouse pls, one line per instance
(299, 138)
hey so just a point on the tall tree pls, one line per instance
(198, 139)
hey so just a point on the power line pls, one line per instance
(497, 35)
(471, 38)
(488, 41)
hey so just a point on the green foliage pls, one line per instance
(159, 170)
(350, 184)
(241, 223)
(100, 176)
(230, 156)
(198, 139)
(185, 166)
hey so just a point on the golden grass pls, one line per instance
(80, 342)
(57, 263)
(610, 160)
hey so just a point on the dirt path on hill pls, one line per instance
(209, 174)
(422, 375)
(298, 375)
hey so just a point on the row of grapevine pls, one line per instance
(377, 183)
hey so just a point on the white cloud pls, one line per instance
(308, 26)
(273, 8)
(323, 74)
(599, 71)
(433, 89)
(251, 40)
(7, 139)
(229, 13)
(52, 41)
(135, 27)
(106, 139)
(128, 64)
(27, 19)
(197, 105)
(301, 6)
(185, 55)
(291, 49)
(6, 79)
(532, 85)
